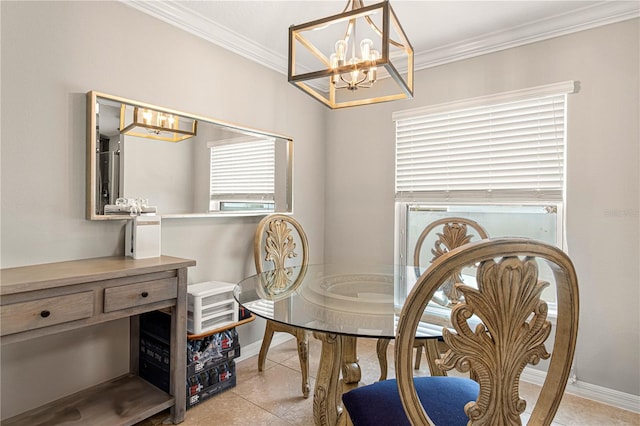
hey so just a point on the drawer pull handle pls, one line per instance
(144, 294)
(45, 314)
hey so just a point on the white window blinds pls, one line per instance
(499, 151)
(244, 168)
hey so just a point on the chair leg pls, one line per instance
(302, 339)
(266, 342)
(381, 349)
(433, 353)
(418, 346)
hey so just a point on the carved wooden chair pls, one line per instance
(500, 327)
(274, 244)
(446, 233)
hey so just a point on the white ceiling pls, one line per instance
(440, 31)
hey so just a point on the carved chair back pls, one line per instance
(500, 327)
(276, 249)
(275, 243)
(450, 233)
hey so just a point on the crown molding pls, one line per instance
(602, 13)
(174, 13)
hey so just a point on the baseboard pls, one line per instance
(615, 398)
(625, 401)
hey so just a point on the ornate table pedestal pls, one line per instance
(338, 355)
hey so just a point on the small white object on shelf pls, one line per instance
(210, 305)
(143, 237)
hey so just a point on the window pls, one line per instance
(498, 160)
(245, 172)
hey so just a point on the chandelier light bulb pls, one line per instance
(373, 70)
(333, 60)
(355, 73)
(341, 51)
(365, 48)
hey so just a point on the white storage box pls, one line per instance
(143, 237)
(210, 305)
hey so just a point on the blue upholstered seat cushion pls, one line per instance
(443, 398)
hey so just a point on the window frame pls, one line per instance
(403, 203)
(277, 199)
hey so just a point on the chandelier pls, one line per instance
(358, 57)
(153, 124)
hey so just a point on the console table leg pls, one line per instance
(179, 350)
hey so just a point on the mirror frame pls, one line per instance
(91, 187)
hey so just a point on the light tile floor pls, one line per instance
(274, 397)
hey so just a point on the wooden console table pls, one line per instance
(51, 298)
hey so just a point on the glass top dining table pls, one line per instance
(339, 303)
(355, 300)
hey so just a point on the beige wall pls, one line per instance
(603, 181)
(52, 54)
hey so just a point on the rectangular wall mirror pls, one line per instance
(155, 159)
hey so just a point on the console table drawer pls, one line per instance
(129, 296)
(45, 312)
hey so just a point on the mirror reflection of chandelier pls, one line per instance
(364, 47)
(153, 124)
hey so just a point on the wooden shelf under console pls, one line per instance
(219, 329)
(45, 299)
(125, 400)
